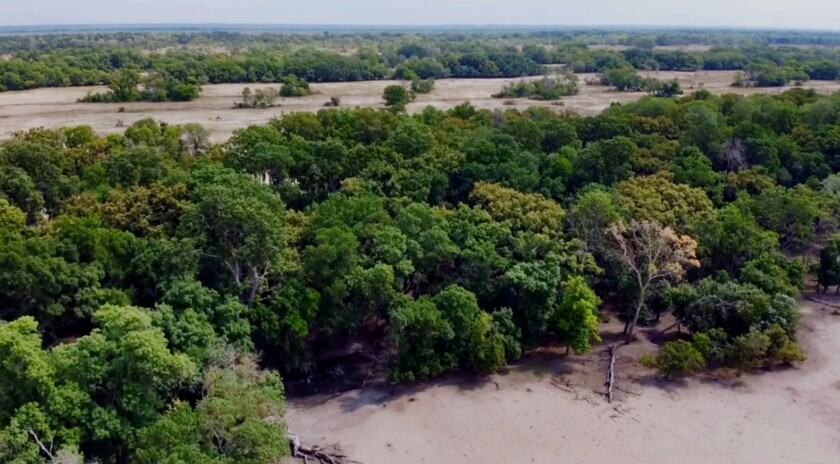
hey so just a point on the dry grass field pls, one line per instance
(214, 109)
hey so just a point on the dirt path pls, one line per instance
(53, 108)
(530, 416)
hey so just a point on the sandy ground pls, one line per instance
(214, 109)
(551, 411)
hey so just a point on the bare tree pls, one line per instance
(651, 253)
(735, 155)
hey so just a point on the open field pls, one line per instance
(57, 107)
(549, 411)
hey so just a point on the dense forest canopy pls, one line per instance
(139, 273)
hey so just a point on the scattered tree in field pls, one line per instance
(623, 79)
(129, 86)
(397, 97)
(260, 98)
(422, 85)
(664, 89)
(547, 88)
(650, 253)
(294, 87)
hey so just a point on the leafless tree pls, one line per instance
(651, 253)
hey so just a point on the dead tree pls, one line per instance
(329, 455)
(613, 351)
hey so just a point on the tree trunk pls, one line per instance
(255, 285)
(632, 327)
(568, 347)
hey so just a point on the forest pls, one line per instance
(161, 294)
(139, 272)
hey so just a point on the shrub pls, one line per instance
(422, 85)
(676, 359)
(547, 88)
(748, 351)
(397, 97)
(294, 86)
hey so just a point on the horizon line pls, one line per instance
(221, 25)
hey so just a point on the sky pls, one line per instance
(799, 14)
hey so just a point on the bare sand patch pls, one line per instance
(58, 107)
(556, 415)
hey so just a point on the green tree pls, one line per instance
(829, 270)
(241, 224)
(397, 97)
(238, 419)
(577, 316)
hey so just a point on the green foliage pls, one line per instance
(547, 88)
(829, 269)
(577, 316)
(294, 86)
(422, 85)
(129, 86)
(445, 240)
(237, 420)
(623, 79)
(677, 359)
(397, 97)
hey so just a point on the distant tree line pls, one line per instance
(407, 57)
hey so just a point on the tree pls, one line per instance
(656, 198)
(589, 218)
(577, 316)
(650, 253)
(238, 419)
(421, 335)
(677, 359)
(12, 219)
(829, 270)
(731, 238)
(525, 212)
(397, 97)
(240, 223)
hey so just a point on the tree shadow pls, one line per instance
(384, 395)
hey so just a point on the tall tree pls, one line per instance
(650, 253)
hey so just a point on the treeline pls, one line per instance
(351, 38)
(137, 271)
(383, 56)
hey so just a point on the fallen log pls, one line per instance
(613, 350)
(330, 455)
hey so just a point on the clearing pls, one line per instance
(57, 107)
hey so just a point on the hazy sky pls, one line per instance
(822, 14)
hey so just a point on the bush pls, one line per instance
(623, 79)
(748, 351)
(422, 85)
(547, 88)
(664, 89)
(677, 359)
(397, 97)
(294, 86)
